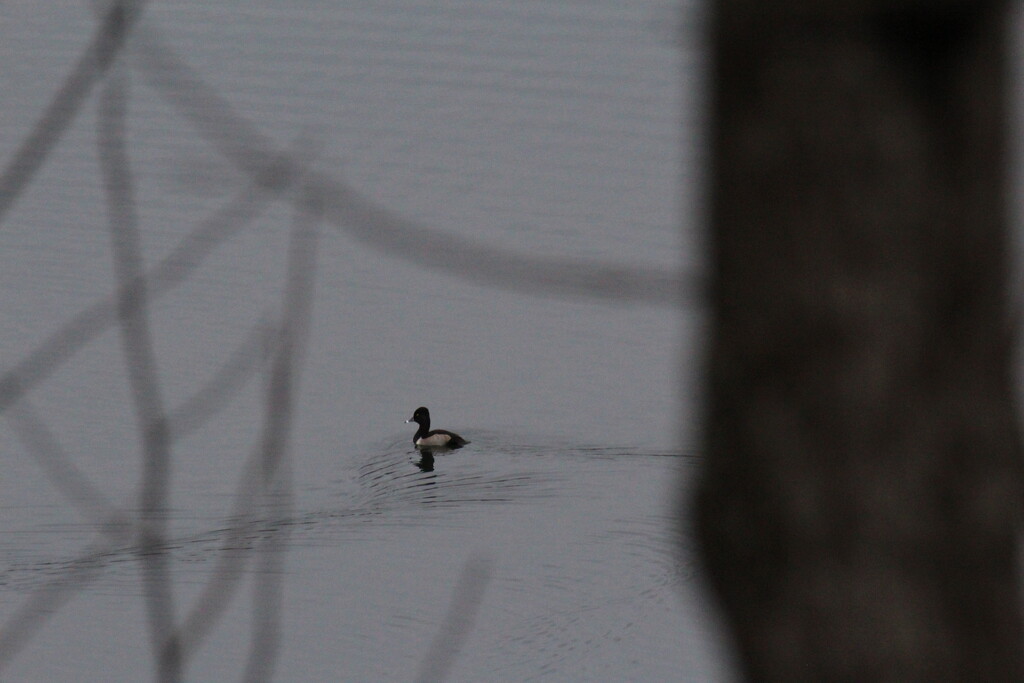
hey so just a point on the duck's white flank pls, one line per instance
(434, 440)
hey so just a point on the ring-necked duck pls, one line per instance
(438, 437)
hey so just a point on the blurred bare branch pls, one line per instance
(380, 228)
(243, 363)
(279, 420)
(226, 575)
(458, 621)
(170, 272)
(45, 602)
(45, 449)
(109, 39)
(141, 364)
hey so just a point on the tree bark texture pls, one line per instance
(859, 508)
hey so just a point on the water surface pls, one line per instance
(554, 129)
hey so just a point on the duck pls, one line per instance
(438, 437)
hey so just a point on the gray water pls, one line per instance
(562, 130)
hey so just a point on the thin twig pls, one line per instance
(225, 576)
(45, 602)
(261, 469)
(240, 142)
(44, 447)
(109, 39)
(458, 622)
(141, 364)
(282, 394)
(167, 274)
(242, 364)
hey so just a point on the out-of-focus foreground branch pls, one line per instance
(859, 509)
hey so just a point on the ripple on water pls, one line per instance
(609, 577)
(402, 479)
(582, 539)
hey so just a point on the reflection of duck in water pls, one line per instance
(438, 437)
(426, 461)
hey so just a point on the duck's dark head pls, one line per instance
(420, 417)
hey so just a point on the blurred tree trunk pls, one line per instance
(859, 510)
